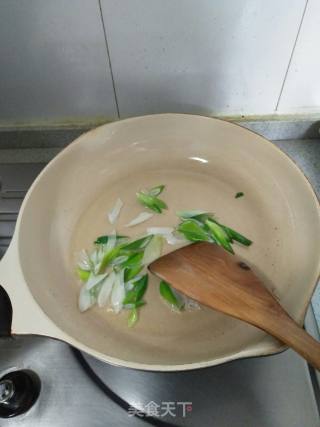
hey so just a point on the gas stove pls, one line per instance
(69, 388)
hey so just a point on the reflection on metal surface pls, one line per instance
(6, 391)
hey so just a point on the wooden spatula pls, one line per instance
(212, 276)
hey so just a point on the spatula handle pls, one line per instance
(290, 333)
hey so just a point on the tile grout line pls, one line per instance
(109, 58)
(291, 56)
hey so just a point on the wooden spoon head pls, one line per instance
(209, 274)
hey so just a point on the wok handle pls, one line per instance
(5, 314)
(22, 314)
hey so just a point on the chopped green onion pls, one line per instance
(115, 211)
(83, 274)
(151, 202)
(167, 233)
(133, 260)
(118, 293)
(96, 257)
(153, 250)
(132, 283)
(220, 235)
(137, 293)
(142, 217)
(170, 296)
(106, 289)
(193, 231)
(120, 260)
(155, 191)
(103, 240)
(108, 257)
(113, 270)
(94, 279)
(137, 244)
(86, 300)
(134, 305)
(131, 272)
(85, 262)
(190, 213)
(239, 194)
(234, 235)
(197, 215)
(133, 317)
(95, 291)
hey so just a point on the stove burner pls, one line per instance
(19, 391)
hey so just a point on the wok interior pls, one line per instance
(203, 162)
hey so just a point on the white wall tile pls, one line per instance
(53, 62)
(200, 56)
(301, 92)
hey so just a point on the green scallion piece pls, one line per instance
(151, 202)
(168, 294)
(134, 305)
(193, 231)
(136, 294)
(133, 260)
(234, 235)
(103, 240)
(137, 244)
(220, 235)
(133, 317)
(83, 274)
(239, 194)
(108, 257)
(131, 272)
(193, 213)
(155, 191)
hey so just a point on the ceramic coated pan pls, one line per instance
(203, 162)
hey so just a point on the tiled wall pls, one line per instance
(301, 92)
(85, 60)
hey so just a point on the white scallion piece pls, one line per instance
(98, 254)
(118, 292)
(129, 285)
(142, 217)
(115, 211)
(86, 300)
(94, 280)
(167, 233)
(190, 213)
(190, 304)
(174, 240)
(153, 250)
(106, 289)
(85, 261)
(119, 260)
(160, 230)
(137, 277)
(96, 258)
(129, 306)
(112, 241)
